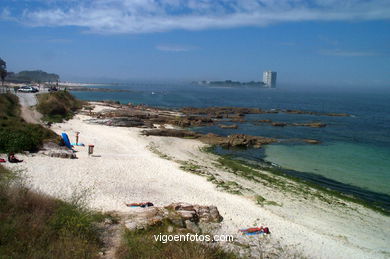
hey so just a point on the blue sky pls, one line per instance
(319, 42)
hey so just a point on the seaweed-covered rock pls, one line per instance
(170, 133)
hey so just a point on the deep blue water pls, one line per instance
(354, 156)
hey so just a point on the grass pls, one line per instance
(142, 244)
(15, 134)
(262, 201)
(33, 225)
(58, 106)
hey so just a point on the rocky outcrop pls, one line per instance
(126, 122)
(310, 124)
(284, 124)
(237, 140)
(315, 113)
(312, 141)
(220, 112)
(279, 124)
(171, 133)
(191, 121)
(181, 215)
(53, 150)
(231, 126)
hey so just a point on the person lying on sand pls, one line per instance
(140, 204)
(13, 159)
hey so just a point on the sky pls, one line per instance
(308, 42)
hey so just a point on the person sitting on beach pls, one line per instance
(13, 159)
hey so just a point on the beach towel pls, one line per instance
(78, 144)
(66, 140)
(140, 204)
(255, 231)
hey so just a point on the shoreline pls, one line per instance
(182, 121)
(348, 192)
(132, 167)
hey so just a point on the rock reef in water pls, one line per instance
(224, 126)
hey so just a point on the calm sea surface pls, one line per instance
(354, 156)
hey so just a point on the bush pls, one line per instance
(33, 225)
(19, 136)
(9, 106)
(58, 106)
(15, 134)
(142, 244)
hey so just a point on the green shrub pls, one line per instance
(9, 106)
(33, 225)
(15, 134)
(142, 244)
(58, 106)
(75, 220)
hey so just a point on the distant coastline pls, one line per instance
(230, 83)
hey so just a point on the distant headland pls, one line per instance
(269, 81)
(230, 83)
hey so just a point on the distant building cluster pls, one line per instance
(269, 79)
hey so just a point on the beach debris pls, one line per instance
(140, 204)
(255, 231)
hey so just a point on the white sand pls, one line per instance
(127, 171)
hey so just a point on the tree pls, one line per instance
(3, 71)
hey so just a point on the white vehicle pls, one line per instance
(28, 89)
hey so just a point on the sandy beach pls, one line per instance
(129, 167)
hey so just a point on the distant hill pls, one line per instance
(37, 76)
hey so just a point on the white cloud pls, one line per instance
(144, 16)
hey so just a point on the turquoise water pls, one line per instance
(343, 162)
(355, 151)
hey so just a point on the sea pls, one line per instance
(354, 154)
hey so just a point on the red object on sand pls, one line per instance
(254, 230)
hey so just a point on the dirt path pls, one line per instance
(28, 112)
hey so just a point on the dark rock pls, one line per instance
(170, 133)
(310, 124)
(54, 150)
(224, 126)
(192, 226)
(312, 141)
(279, 124)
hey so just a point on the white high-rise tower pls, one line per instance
(269, 79)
